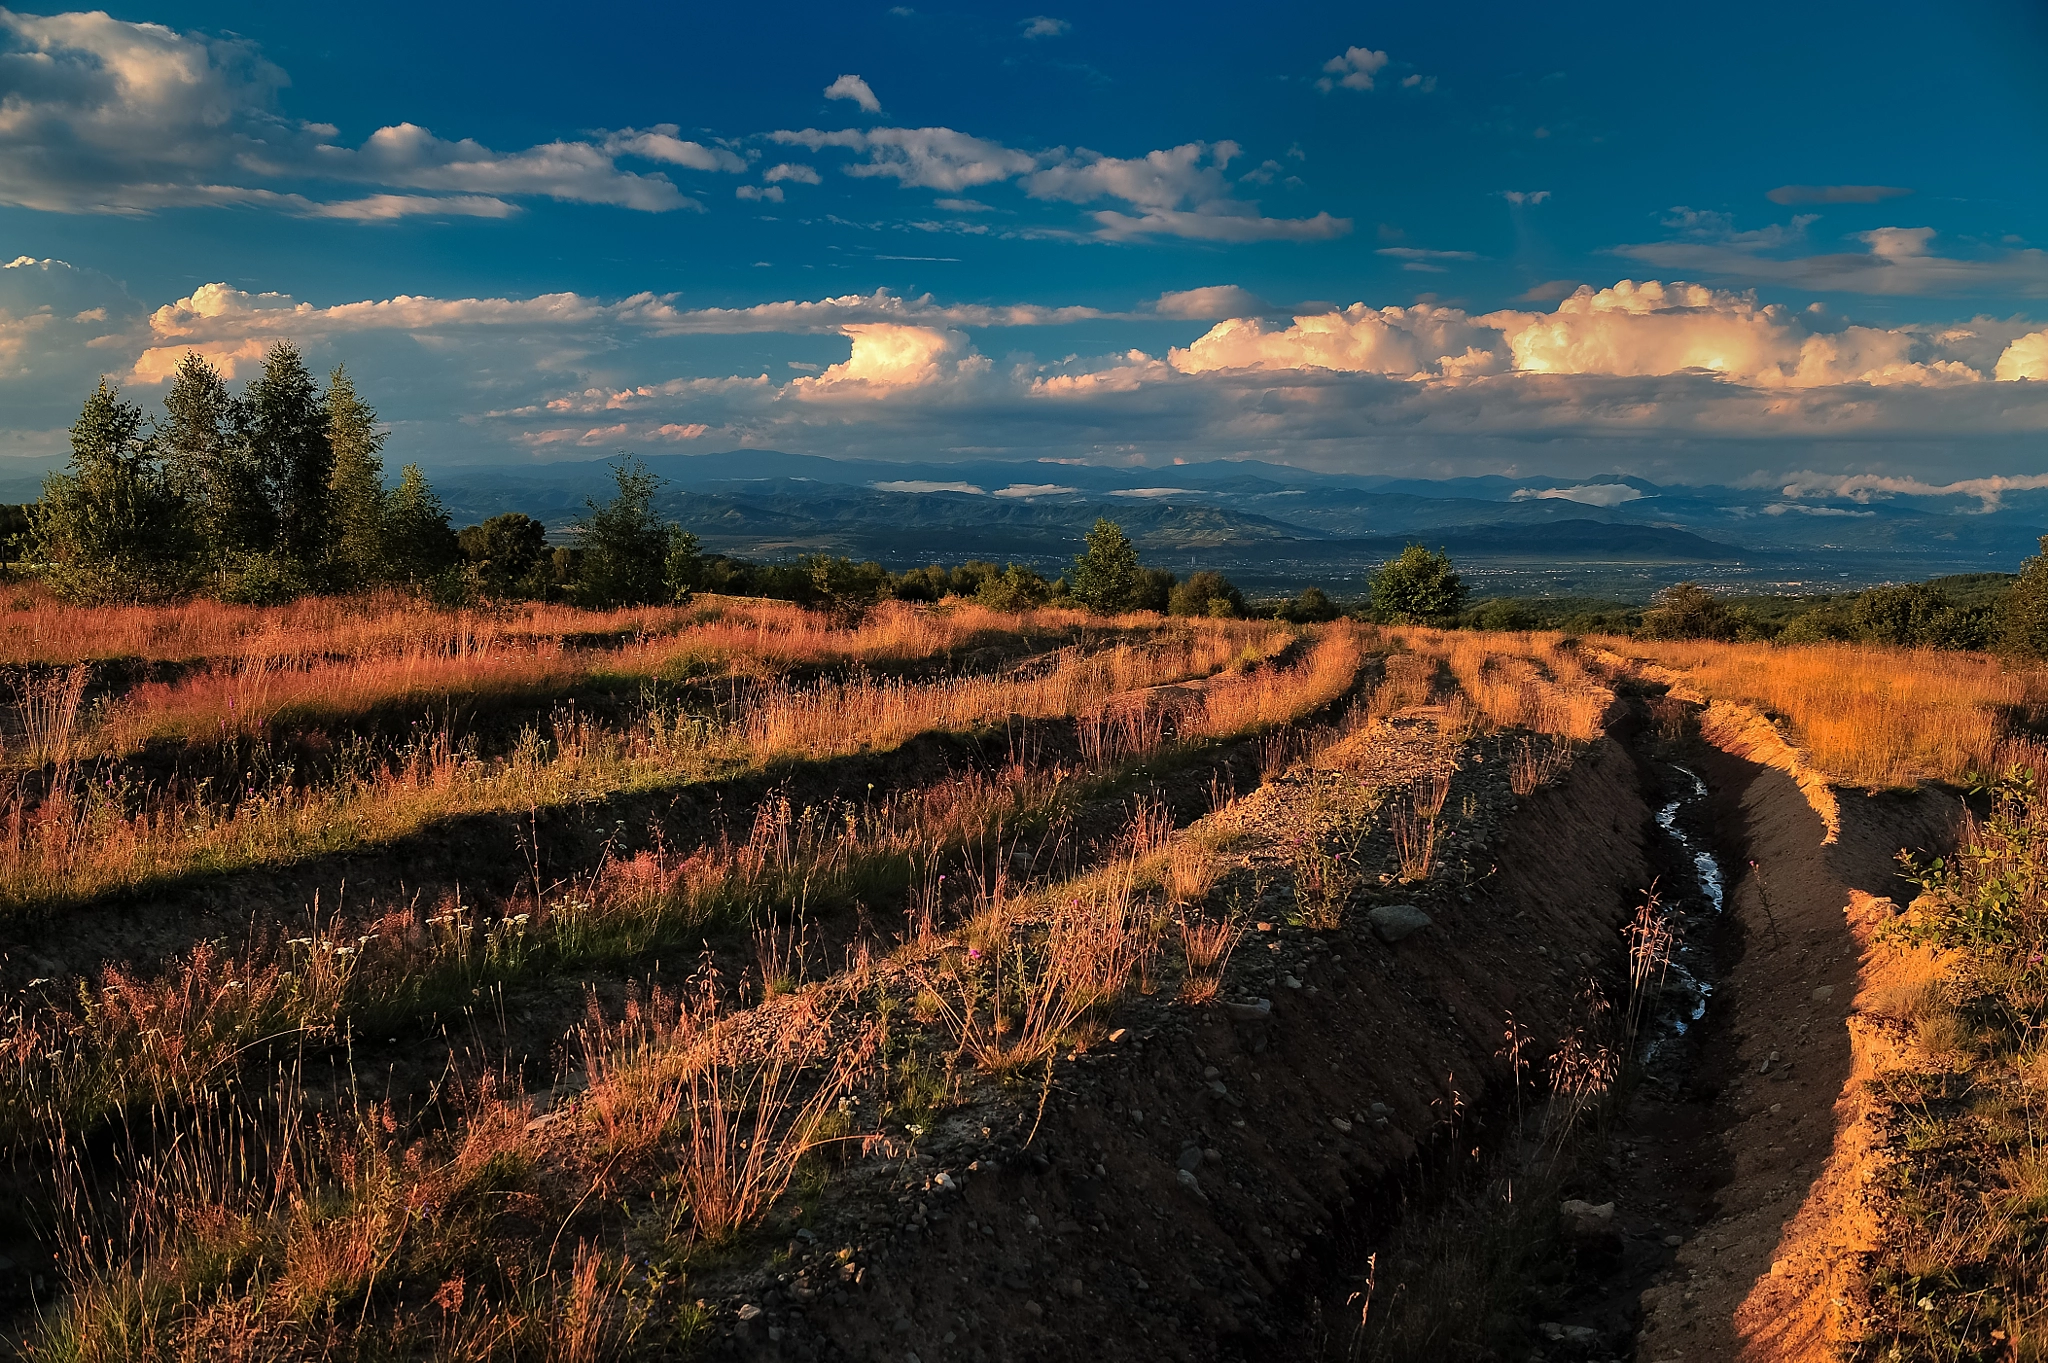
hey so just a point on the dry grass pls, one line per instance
(1865, 715)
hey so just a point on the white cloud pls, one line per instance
(1354, 70)
(1587, 494)
(1211, 303)
(925, 485)
(962, 205)
(1042, 26)
(2025, 358)
(106, 116)
(924, 158)
(1519, 197)
(772, 194)
(389, 207)
(1401, 342)
(792, 172)
(1181, 191)
(1867, 487)
(888, 358)
(660, 143)
(855, 89)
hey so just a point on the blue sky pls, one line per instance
(1369, 238)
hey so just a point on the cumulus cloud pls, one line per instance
(107, 116)
(772, 194)
(1044, 26)
(1835, 194)
(1354, 69)
(792, 172)
(1867, 487)
(888, 358)
(2025, 358)
(855, 89)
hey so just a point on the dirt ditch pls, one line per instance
(1253, 1181)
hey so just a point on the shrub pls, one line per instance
(1418, 588)
(1016, 588)
(1205, 593)
(507, 552)
(1310, 607)
(1687, 611)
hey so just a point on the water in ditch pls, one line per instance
(1694, 894)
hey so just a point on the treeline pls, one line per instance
(255, 496)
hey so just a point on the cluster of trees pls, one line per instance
(1915, 615)
(262, 494)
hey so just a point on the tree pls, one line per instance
(1312, 606)
(355, 487)
(682, 568)
(284, 423)
(625, 545)
(418, 543)
(1205, 593)
(2023, 615)
(507, 552)
(1106, 577)
(1687, 611)
(208, 465)
(1417, 588)
(1503, 612)
(111, 528)
(1016, 588)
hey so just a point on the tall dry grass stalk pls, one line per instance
(1866, 715)
(1415, 835)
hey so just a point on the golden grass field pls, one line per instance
(201, 817)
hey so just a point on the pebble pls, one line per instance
(1575, 1207)
(1341, 1124)
(1674, 1241)
(1824, 993)
(1191, 1158)
(1250, 1012)
(749, 1311)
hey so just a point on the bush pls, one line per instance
(1311, 606)
(1502, 613)
(1205, 593)
(1687, 611)
(1418, 588)
(507, 552)
(1016, 588)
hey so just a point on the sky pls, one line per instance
(1745, 245)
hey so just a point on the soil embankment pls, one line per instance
(1200, 1186)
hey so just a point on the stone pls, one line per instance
(1190, 1159)
(1674, 1241)
(1587, 1211)
(1382, 1110)
(1824, 993)
(749, 1311)
(1394, 922)
(1249, 1012)
(1290, 982)
(1189, 1181)
(1341, 1125)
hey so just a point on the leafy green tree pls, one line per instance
(921, 584)
(683, 569)
(1312, 605)
(1106, 574)
(1503, 613)
(111, 527)
(2023, 615)
(845, 588)
(1016, 588)
(1205, 593)
(1417, 588)
(284, 424)
(419, 545)
(1687, 610)
(210, 465)
(507, 552)
(625, 545)
(355, 487)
